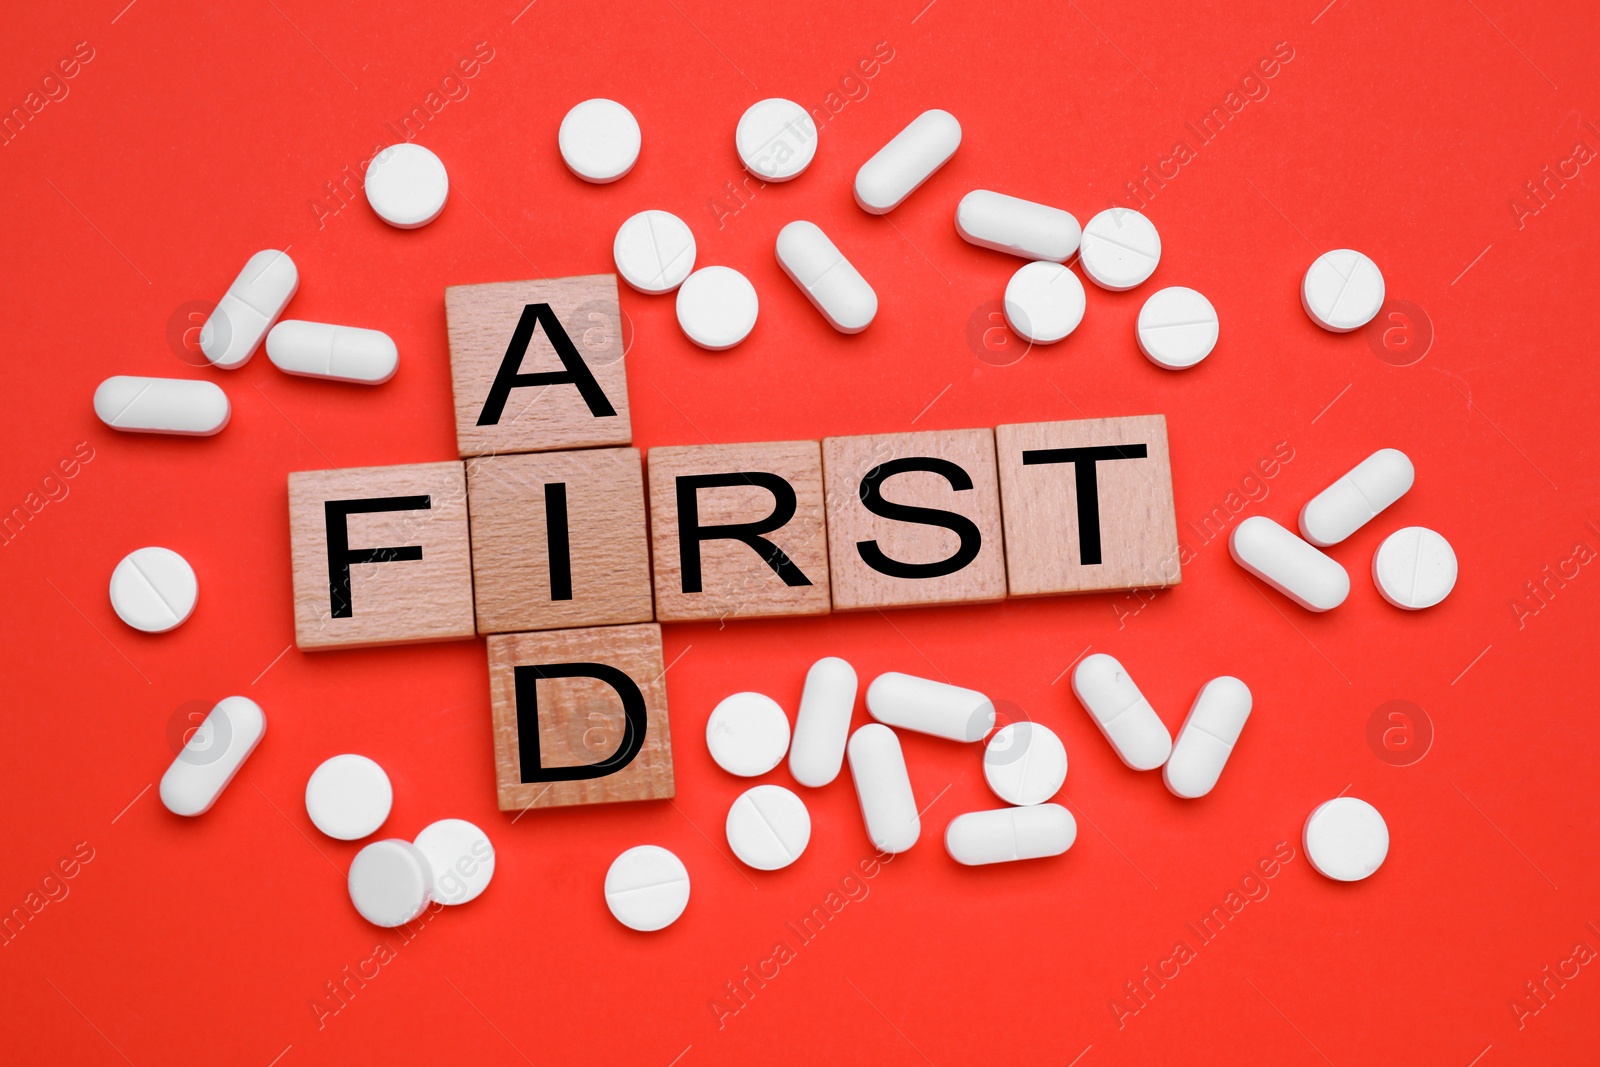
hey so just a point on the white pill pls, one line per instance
(390, 882)
(768, 827)
(930, 707)
(1044, 302)
(1207, 737)
(339, 353)
(654, 251)
(599, 140)
(717, 307)
(1342, 290)
(248, 309)
(1346, 839)
(884, 788)
(830, 281)
(348, 797)
(461, 858)
(212, 756)
(1357, 498)
(1121, 711)
(407, 186)
(1020, 227)
(907, 161)
(822, 726)
(1414, 568)
(1120, 249)
(154, 590)
(1297, 570)
(162, 405)
(1025, 763)
(748, 734)
(776, 139)
(647, 888)
(1004, 835)
(1177, 328)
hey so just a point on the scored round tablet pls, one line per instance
(768, 827)
(1414, 568)
(647, 888)
(1177, 327)
(776, 139)
(154, 590)
(390, 882)
(748, 734)
(1044, 302)
(348, 797)
(461, 858)
(407, 186)
(1120, 249)
(1025, 763)
(599, 140)
(1342, 290)
(654, 251)
(1346, 839)
(717, 307)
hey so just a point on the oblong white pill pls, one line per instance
(883, 787)
(747, 734)
(154, 589)
(647, 888)
(1044, 302)
(407, 186)
(1207, 738)
(1005, 835)
(461, 858)
(930, 707)
(1126, 718)
(1020, 227)
(1177, 328)
(717, 307)
(212, 756)
(1346, 839)
(1025, 763)
(348, 797)
(1357, 498)
(776, 139)
(1297, 570)
(1120, 249)
(179, 406)
(390, 882)
(599, 140)
(654, 251)
(338, 353)
(830, 282)
(1342, 290)
(822, 725)
(908, 160)
(1414, 568)
(768, 827)
(235, 327)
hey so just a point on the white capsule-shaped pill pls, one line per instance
(822, 726)
(1357, 498)
(1004, 835)
(930, 707)
(883, 787)
(248, 309)
(1132, 726)
(1207, 737)
(1342, 290)
(1414, 568)
(907, 161)
(830, 281)
(1291, 566)
(179, 406)
(212, 756)
(1020, 227)
(339, 353)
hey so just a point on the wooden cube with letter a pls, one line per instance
(381, 555)
(738, 530)
(580, 717)
(1088, 505)
(537, 366)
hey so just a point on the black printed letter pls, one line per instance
(963, 527)
(508, 377)
(525, 681)
(691, 533)
(335, 512)
(1088, 486)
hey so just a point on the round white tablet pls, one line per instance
(1025, 763)
(1044, 302)
(348, 797)
(1414, 568)
(654, 251)
(599, 140)
(748, 734)
(647, 888)
(768, 827)
(154, 590)
(1346, 839)
(407, 186)
(1120, 249)
(776, 139)
(717, 307)
(390, 882)
(1342, 290)
(461, 858)
(1177, 327)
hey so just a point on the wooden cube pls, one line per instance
(580, 717)
(537, 366)
(738, 530)
(558, 540)
(381, 555)
(913, 518)
(1088, 505)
